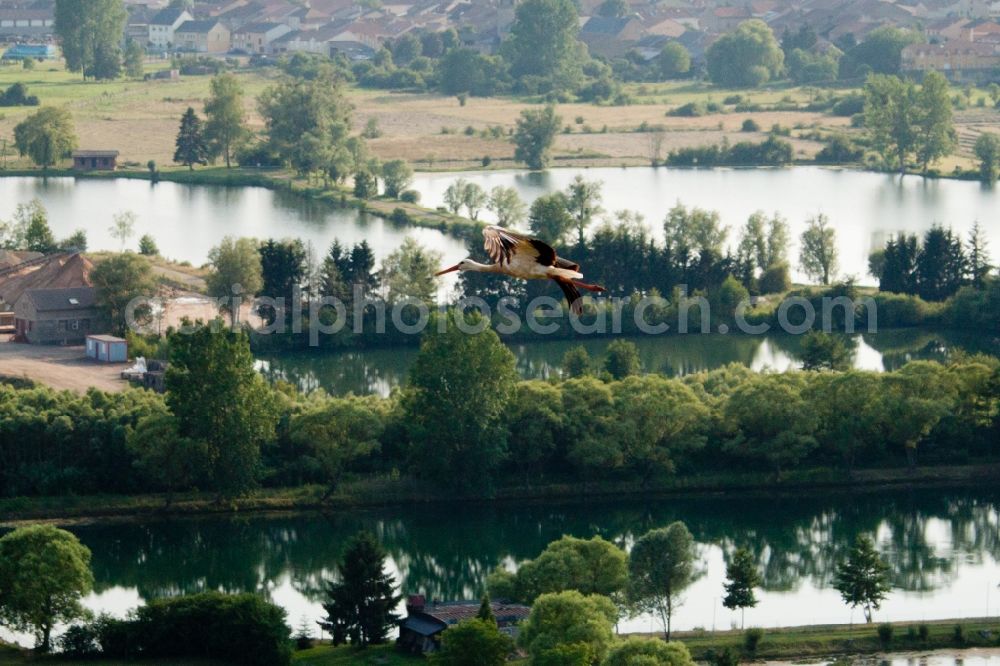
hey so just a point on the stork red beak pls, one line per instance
(447, 270)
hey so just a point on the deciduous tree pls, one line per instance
(218, 397)
(863, 579)
(46, 136)
(119, 280)
(90, 30)
(661, 567)
(225, 125)
(535, 132)
(741, 579)
(44, 573)
(569, 619)
(747, 57)
(818, 251)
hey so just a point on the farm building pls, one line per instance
(208, 36)
(107, 348)
(95, 160)
(420, 631)
(57, 316)
(30, 51)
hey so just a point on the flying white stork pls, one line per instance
(528, 258)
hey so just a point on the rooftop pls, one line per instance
(67, 298)
(198, 26)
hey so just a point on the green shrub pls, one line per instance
(240, 628)
(725, 658)
(958, 634)
(750, 125)
(80, 642)
(733, 99)
(752, 638)
(923, 631)
(409, 196)
(885, 634)
(775, 280)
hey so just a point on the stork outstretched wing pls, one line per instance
(502, 244)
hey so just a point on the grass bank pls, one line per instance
(383, 491)
(792, 643)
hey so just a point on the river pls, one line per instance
(943, 547)
(864, 207)
(378, 371)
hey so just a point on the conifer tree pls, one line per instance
(191, 146)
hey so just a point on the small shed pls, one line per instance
(107, 348)
(95, 160)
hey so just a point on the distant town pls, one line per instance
(962, 37)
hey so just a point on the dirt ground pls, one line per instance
(68, 368)
(59, 367)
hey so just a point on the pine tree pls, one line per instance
(361, 604)
(742, 577)
(486, 610)
(863, 580)
(191, 147)
(978, 256)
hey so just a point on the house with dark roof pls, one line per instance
(26, 22)
(57, 316)
(164, 24)
(95, 160)
(258, 37)
(420, 631)
(208, 36)
(611, 37)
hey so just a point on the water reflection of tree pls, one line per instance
(447, 551)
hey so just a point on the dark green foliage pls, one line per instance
(839, 150)
(621, 359)
(147, 246)
(741, 579)
(119, 280)
(771, 152)
(219, 398)
(191, 147)
(750, 125)
(824, 351)
(475, 642)
(885, 632)
(751, 639)
(923, 632)
(283, 268)
(238, 629)
(543, 44)
(934, 268)
(747, 57)
(533, 137)
(17, 95)
(863, 580)
(880, 52)
(453, 365)
(365, 185)
(361, 603)
(89, 35)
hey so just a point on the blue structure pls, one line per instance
(25, 51)
(107, 348)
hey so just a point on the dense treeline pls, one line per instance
(607, 426)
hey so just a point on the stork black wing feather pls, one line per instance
(572, 295)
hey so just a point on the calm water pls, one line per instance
(865, 208)
(381, 370)
(188, 220)
(944, 547)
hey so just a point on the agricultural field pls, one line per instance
(140, 118)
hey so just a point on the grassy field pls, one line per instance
(140, 118)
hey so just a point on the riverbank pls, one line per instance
(381, 492)
(397, 212)
(980, 637)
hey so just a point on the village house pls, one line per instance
(959, 60)
(258, 37)
(163, 26)
(57, 316)
(95, 160)
(208, 36)
(420, 631)
(26, 22)
(610, 37)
